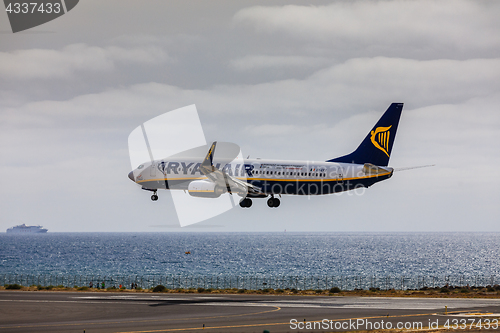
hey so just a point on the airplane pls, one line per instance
(263, 178)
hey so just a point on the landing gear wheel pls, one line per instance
(273, 202)
(246, 203)
(154, 197)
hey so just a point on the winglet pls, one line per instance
(222, 178)
(207, 166)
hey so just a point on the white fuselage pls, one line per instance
(273, 176)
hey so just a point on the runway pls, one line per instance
(145, 312)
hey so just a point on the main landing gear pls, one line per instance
(154, 197)
(273, 202)
(246, 203)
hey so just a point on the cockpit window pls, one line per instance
(140, 166)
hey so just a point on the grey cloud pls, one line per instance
(328, 92)
(47, 63)
(457, 23)
(268, 130)
(453, 102)
(252, 62)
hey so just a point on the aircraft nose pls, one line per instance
(131, 176)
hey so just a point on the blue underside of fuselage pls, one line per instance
(285, 186)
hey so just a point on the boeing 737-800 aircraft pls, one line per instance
(259, 178)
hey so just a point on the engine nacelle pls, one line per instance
(204, 189)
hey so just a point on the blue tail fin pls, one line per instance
(377, 146)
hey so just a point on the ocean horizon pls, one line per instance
(252, 253)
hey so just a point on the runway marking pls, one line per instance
(142, 321)
(150, 298)
(80, 302)
(478, 314)
(274, 324)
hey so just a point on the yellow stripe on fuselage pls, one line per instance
(271, 179)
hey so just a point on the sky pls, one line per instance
(283, 80)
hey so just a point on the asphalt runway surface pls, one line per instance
(141, 312)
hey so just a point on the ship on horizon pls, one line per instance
(27, 229)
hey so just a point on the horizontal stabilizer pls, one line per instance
(371, 169)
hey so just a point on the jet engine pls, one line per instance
(204, 189)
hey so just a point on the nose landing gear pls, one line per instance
(154, 197)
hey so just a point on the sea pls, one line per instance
(252, 254)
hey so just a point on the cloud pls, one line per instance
(457, 23)
(252, 62)
(334, 106)
(268, 130)
(332, 92)
(64, 63)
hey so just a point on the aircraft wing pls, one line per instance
(223, 179)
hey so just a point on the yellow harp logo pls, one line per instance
(380, 138)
